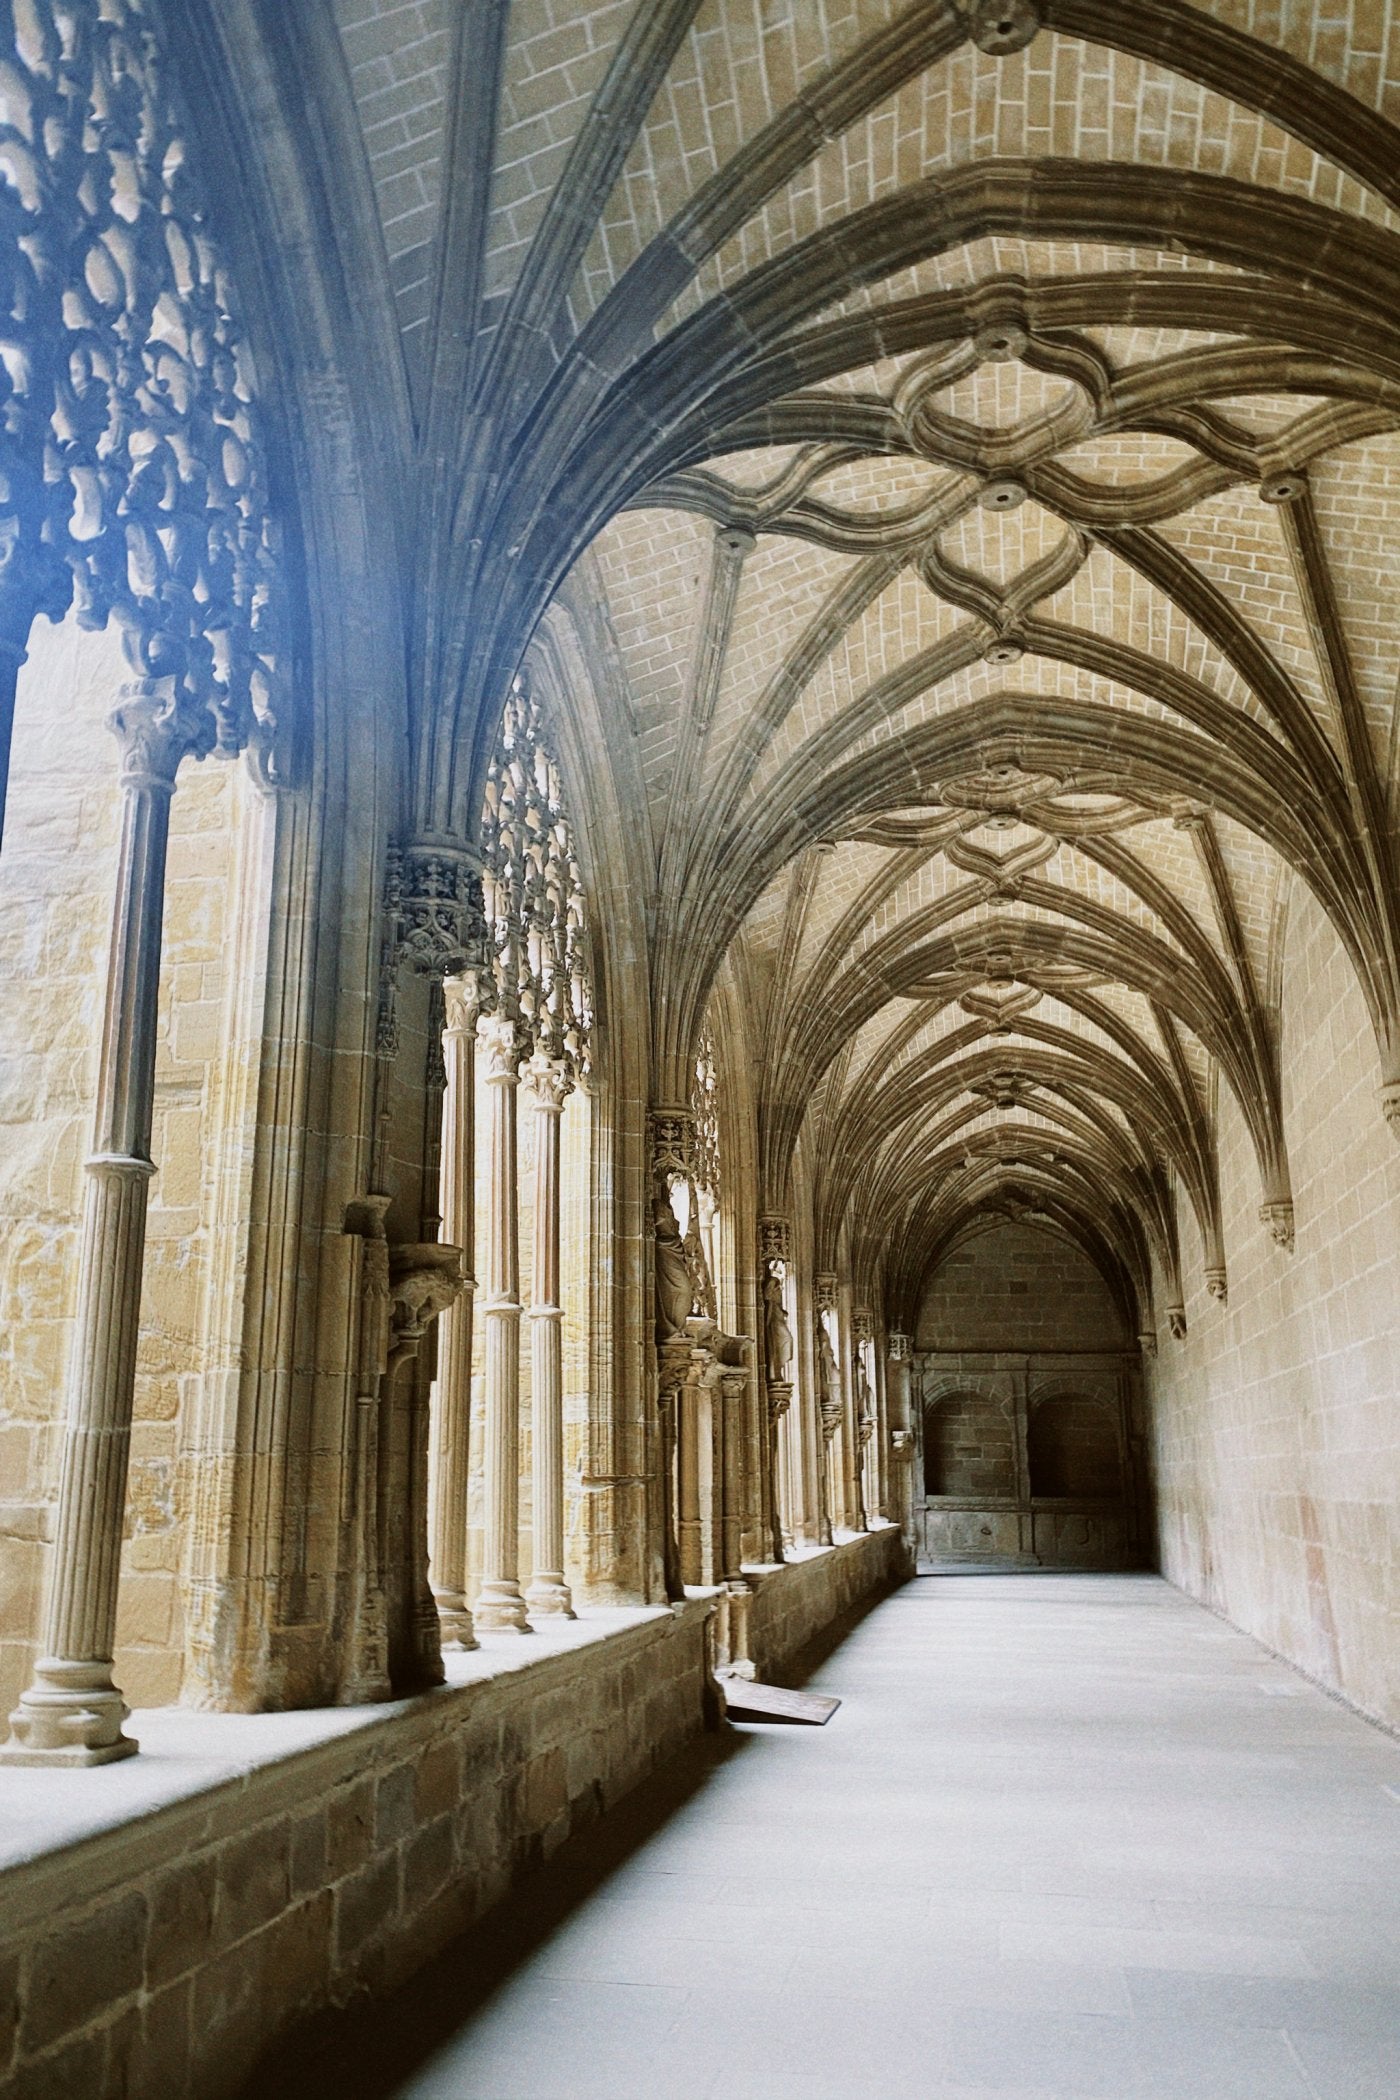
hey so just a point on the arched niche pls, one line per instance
(1074, 1450)
(969, 1446)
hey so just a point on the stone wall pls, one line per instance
(153, 1955)
(56, 883)
(1276, 1423)
(795, 1605)
(1018, 1287)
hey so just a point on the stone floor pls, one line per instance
(1067, 1835)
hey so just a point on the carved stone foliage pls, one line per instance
(435, 898)
(533, 893)
(704, 1108)
(133, 468)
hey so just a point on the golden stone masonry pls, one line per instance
(699, 909)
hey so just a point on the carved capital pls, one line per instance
(1278, 1216)
(1176, 1320)
(1390, 1104)
(779, 1398)
(774, 1237)
(550, 1082)
(901, 1348)
(826, 1289)
(863, 1324)
(464, 1000)
(1147, 1342)
(1218, 1285)
(902, 1443)
(503, 1049)
(441, 920)
(154, 731)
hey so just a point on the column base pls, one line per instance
(549, 1597)
(500, 1608)
(455, 1626)
(72, 1714)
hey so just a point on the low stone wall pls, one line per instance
(797, 1604)
(174, 1923)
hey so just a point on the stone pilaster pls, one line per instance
(500, 1607)
(548, 1594)
(72, 1713)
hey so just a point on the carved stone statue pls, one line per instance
(830, 1383)
(675, 1291)
(777, 1334)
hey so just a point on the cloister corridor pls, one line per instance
(1066, 1835)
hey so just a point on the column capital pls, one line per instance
(774, 1237)
(504, 1051)
(550, 1080)
(434, 890)
(465, 998)
(153, 731)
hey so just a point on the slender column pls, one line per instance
(500, 1607)
(548, 1594)
(867, 1410)
(72, 1713)
(674, 1363)
(688, 1530)
(451, 1427)
(779, 1463)
(734, 1389)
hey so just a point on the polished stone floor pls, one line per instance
(1067, 1835)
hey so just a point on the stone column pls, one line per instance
(548, 1594)
(451, 1426)
(72, 1713)
(688, 1524)
(500, 1607)
(779, 1459)
(673, 1365)
(867, 1410)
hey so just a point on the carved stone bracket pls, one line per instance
(1279, 1219)
(670, 1142)
(1147, 1342)
(1217, 1284)
(1176, 1320)
(826, 1288)
(863, 1324)
(424, 1278)
(436, 896)
(900, 1347)
(774, 1237)
(902, 1444)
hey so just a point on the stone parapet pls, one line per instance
(250, 1870)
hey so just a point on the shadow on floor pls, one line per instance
(368, 2049)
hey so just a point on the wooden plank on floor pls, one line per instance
(747, 1701)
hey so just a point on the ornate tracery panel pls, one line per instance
(132, 468)
(537, 932)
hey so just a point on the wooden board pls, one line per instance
(747, 1701)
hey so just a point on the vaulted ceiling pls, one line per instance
(976, 433)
